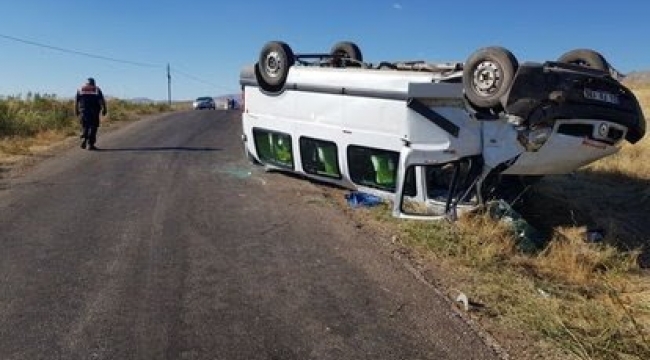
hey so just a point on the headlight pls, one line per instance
(537, 137)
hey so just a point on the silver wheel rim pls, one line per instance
(487, 78)
(273, 64)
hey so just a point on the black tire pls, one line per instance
(585, 57)
(346, 53)
(273, 66)
(487, 75)
(347, 49)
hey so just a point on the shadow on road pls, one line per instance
(164, 148)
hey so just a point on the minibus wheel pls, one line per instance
(585, 57)
(347, 50)
(273, 66)
(487, 76)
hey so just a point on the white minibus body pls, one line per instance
(409, 132)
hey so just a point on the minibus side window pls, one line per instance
(274, 148)
(373, 167)
(319, 157)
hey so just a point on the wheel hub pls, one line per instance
(487, 77)
(273, 64)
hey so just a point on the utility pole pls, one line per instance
(169, 86)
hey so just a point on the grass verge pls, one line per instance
(36, 120)
(576, 297)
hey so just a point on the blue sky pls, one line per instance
(207, 42)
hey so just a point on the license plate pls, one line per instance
(601, 96)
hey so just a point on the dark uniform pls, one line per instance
(89, 104)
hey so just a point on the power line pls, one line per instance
(76, 52)
(112, 59)
(195, 78)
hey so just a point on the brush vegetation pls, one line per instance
(577, 296)
(38, 119)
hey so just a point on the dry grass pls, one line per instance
(30, 123)
(31, 126)
(592, 298)
(571, 260)
(589, 298)
(23, 146)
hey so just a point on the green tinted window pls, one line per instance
(319, 157)
(274, 148)
(373, 167)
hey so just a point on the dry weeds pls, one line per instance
(586, 290)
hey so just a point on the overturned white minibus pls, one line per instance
(434, 138)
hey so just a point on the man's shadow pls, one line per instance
(158, 149)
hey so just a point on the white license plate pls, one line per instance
(601, 96)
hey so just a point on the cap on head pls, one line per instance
(91, 81)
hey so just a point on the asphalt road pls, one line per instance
(166, 244)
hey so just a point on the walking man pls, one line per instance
(89, 103)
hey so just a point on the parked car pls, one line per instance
(204, 103)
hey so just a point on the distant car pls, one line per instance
(204, 103)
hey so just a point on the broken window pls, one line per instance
(447, 185)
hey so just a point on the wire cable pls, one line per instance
(76, 52)
(195, 78)
(108, 58)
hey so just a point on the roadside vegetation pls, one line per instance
(34, 120)
(584, 291)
